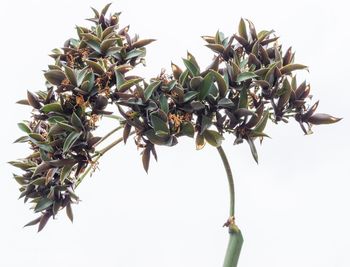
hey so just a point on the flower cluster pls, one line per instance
(250, 81)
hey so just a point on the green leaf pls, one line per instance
(163, 101)
(190, 95)
(242, 30)
(225, 103)
(43, 204)
(119, 79)
(70, 140)
(135, 53)
(69, 211)
(125, 86)
(142, 43)
(76, 122)
(192, 68)
(95, 67)
(213, 138)
(52, 107)
(71, 75)
(55, 77)
(160, 127)
(260, 127)
(292, 67)
(67, 126)
(221, 83)
(205, 86)
(245, 76)
(24, 127)
(187, 129)
(36, 137)
(95, 45)
(107, 43)
(243, 98)
(253, 149)
(150, 88)
(65, 171)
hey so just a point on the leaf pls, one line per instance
(119, 79)
(321, 118)
(23, 102)
(76, 122)
(177, 71)
(160, 127)
(67, 126)
(192, 68)
(286, 93)
(71, 75)
(107, 43)
(206, 122)
(62, 162)
(221, 83)
(164, 105)
(187, 129)
(95, 67)
(43, 204)
(36, 137)
(253, 149)
(24, 127)
(125, 86)
(200, 142)
(225, 103)
(217, 48)
(69, 211)
(52, 107)
(142, 43)
(65, 171)
(135, 53)
(105, 9)
(205, 86)
(43, 221)
(33, 100)
(190, 95)
(243, 98)
(33, 222)
(292, 67)
(150, 89)
(94, 44)
(55, 77)
(242, 30)
(260, 127)
(213, 138)
(70, 140)
(245, 76)
(146, 157)
(126, 132)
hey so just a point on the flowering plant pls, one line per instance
(249, 82)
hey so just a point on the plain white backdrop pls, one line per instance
(293, 208)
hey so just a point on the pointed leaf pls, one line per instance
(70, 140)
(150, 88)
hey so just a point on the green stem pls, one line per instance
(236, 238)
(99, 154)
(109, 134)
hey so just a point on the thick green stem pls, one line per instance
(236, 238)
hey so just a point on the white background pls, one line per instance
(293, 208)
